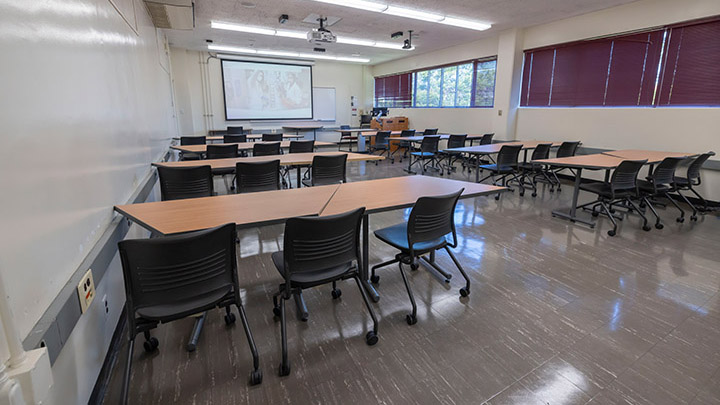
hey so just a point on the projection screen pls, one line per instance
(266, 91)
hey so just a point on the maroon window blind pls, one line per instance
(691, 72)
(538, 70)
(393, 91)
(633, 69)
(580, 73)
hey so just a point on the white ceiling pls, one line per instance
(502, 14)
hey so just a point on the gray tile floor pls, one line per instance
(558, 314)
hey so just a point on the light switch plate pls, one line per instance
(86, 290)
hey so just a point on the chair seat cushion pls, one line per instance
(681, 181)
(181, 309)
(530, 166)
(647, 186)
(423, 154)
(312, 278)
(396, 236)
(494, 168)
(597, 188)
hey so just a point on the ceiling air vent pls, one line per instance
(172, 14)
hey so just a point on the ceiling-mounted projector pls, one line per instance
(321, 34)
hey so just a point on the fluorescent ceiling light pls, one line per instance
(361, 4)
(242, 28)
(290, 54)
(290, 34)
(353, 41)
(411, 13)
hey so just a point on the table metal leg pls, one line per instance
(302, 311)
(299, 178)
(196, 331)
(477, 168)
(573, 208)
(365, 268)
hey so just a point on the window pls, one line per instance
(676, 65)
(463, 85)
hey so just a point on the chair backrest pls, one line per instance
(664, 173)
(302, 146)
(365, 118)
(318, 243)
(192, 140)
(430, 143)
(178, 183)
(693, 171)
(217, 132)
(431, 218)
(257, 176)
(430, 131)
(222, 151)
(456, 141)
(328, 169)
(174, 271)
(487, 139)
(508, 155)
(407, 132)
(266, 149)
(625, 175)
(235, 138)
(542, 151)
(235, 130)
(345, 133)
(567, 149)
(382, 138)
(272, 137)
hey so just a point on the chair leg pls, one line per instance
(375, 278)
(704, 201)
(645, 226)
(411, 319)
(128, 367)
(613, 231)
(681, 218)
(658, 222)
(256, 374)
(285, 364)
(465, 291)
(371, 337)
(693, 216)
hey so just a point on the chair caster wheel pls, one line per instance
(151, 345)
(276, 312)
(522, 194)
(659, 226)
(229, 318)
(693, 218)
(680, 220)
(497, 197)
(414, 266)
(371, 338)
(336, 293)
(464, 292)
(612, 210)
(375, 279)
(284, 369)
(534, 194)
(595, 214)
(611, 233)
(646, 228)
(256, 377)
(411, 319)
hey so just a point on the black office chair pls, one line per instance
(622, 188)
(327, 169)
(505, 166)
(471, 161)
(223, 152)
(235, 138)
(272, 137)
(191, 140)
(431, 220)
(534, 170)
(430, 131)
(690, 181)
(235, 130)
(302, 146)
(404, 146)
(317, 251)
(660, 184)
(346, 137)
(365, 120)
(177, 183)
(454, 141)
(487, 139)
(173, 277)
(266, 149)
(382, 144)
(428, 153)
(217, 132)
(566, 149)
(257, 176)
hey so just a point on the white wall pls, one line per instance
(346, 78)
(85, 107)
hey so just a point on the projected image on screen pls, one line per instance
(266, 91)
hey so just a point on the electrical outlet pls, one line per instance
(86, 290)
(105, 303)
(499, 113)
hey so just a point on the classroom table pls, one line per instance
(304, 127)
(601, 161)
(287, 159)
(241, 146)
(271, 207)
(363, 133)
(212, 138)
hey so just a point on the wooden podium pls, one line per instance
(390, 123)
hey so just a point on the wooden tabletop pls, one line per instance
(652, 156)
(245, 210)
(366, 131)
(495, 147)
(287, 159)
(241, 146)
(594, 161)
(303, 126)
(398, 192)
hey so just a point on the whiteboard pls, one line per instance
(324, 103)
